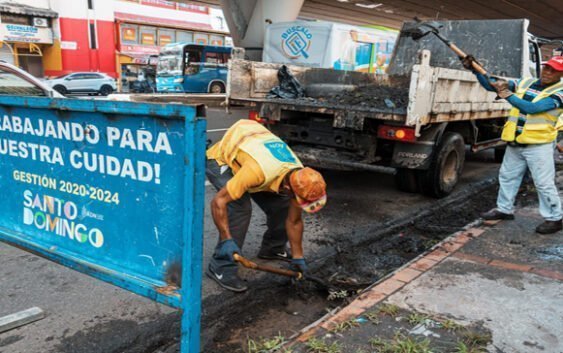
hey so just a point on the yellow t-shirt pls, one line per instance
(247, 173)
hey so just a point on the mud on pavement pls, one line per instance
(282, 309)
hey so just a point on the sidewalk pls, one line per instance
(495, 288)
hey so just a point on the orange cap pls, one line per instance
(309, 188)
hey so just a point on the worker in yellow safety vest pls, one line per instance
(251, 163)
(530, 133)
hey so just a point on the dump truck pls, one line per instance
(414, 122)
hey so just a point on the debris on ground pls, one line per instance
(286, 309)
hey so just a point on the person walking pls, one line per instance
(530, 133)
(251, 163)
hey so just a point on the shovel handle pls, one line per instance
(462, 55)
(254, 266)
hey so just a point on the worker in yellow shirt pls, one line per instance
(252, 163)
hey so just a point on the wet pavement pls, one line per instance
(492, 287)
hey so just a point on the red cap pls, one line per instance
(556, 63)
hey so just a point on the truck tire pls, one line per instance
(444, 172)
(406, 180)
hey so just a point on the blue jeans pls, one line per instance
(539, 159)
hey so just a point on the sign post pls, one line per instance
(111, 189)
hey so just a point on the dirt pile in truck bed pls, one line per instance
(381, 97)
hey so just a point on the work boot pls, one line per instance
(549, 227)
(283, 255)
(228, 280)
(496, 215)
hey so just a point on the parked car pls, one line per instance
(17, 82)
(83, 82)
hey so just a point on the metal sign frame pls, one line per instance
(185, 295)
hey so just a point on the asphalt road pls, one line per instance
(86, 315)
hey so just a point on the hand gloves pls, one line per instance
(501, 86)
(298, 265)
(226, 249)
(467, 62)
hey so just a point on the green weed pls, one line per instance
(344, 326)
(450, 325)
(463, 348)
(476, 339)
(334, 295)
(405, 344)
(400, 344)
(416, 318)
(315, 345)
(264, 345)
(373, 318)
(389, 309)
(379, 345)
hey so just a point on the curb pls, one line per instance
(393, 282)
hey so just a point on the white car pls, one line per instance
(17, 82)
(83, 82)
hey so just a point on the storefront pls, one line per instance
(25, 35)
(139, 45)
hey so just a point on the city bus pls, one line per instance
(192, 68)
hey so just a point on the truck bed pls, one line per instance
(432, 94)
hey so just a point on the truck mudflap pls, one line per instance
(413, 155)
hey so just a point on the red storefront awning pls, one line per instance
(156, 21)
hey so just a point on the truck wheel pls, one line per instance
(406, 180)
(444, 172)
(499, 154)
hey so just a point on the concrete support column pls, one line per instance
(247, 20)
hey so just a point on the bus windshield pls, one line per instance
(170, 63)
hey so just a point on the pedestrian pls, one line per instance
(251, 163)
(530, 133)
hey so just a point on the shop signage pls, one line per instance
(140, 49)
(25, 34)
(66, 45)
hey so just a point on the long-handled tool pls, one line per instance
(279, 271)
(422, 29)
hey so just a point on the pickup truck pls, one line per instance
(414, 122)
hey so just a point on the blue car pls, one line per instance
(192, 68)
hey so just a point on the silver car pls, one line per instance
(83, 82)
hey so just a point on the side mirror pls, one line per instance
(68, 79)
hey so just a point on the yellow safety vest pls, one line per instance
(538, 128)
(273, 155)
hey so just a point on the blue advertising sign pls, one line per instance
(112, 189)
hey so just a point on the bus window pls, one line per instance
(225, 58)
(192, 61)
(211, 59)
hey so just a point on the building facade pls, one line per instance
(55, 37)
(27, 33)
